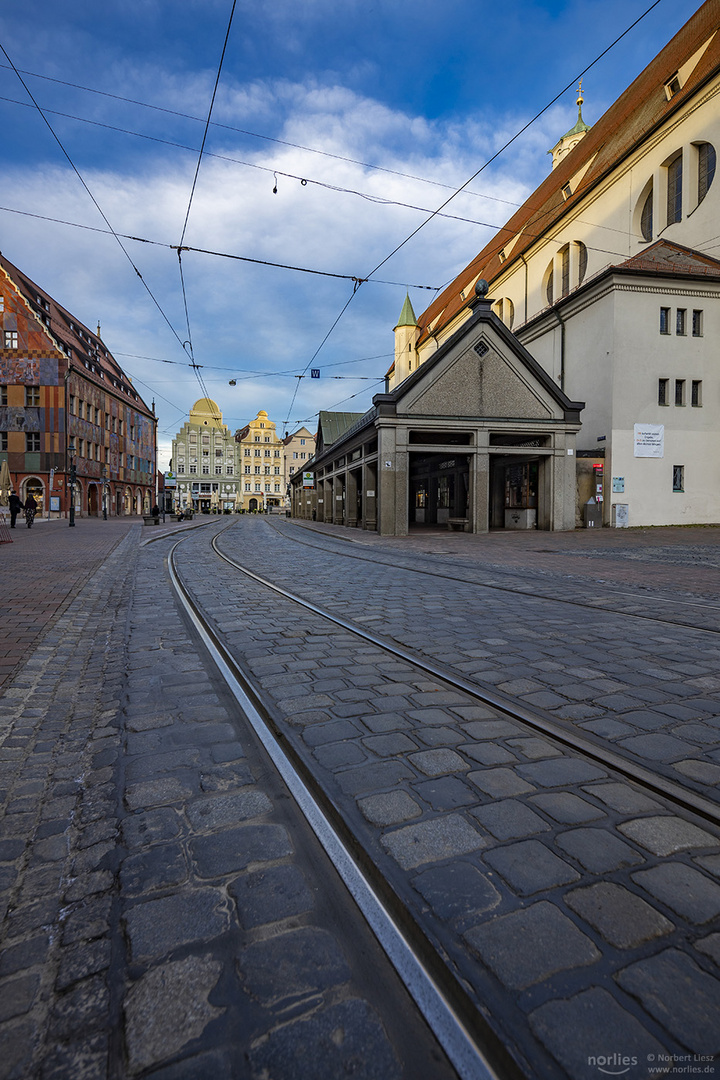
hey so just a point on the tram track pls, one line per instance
(595, 749)
(453, 575)
(448, 979)
(447, 1010)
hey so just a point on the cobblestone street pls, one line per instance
(166, 910)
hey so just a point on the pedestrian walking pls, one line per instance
(30, 508)
(15, 507)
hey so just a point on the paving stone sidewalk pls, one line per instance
(165, 913)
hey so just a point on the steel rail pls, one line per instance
(515, 591)
(597, 751)
(468, 1059)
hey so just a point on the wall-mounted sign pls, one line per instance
(618, 483)
(308, 480)
(650, 440)
(55, 502)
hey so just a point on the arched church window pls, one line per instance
(646, 217)
(706, 169)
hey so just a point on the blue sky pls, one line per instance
(382, 107)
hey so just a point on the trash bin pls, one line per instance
(593, 514)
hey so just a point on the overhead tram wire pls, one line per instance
(254, 135)
(307, 180)
(516, 136)
(494, 157)
(195, 367)
(89, 192)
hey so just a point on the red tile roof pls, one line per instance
(640, 109)
(81, 346)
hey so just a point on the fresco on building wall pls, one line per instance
(29, 371)
(15, 418)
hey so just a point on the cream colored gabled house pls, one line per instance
(608, 276)
(205, 461)
(298, 449)
(260, 451)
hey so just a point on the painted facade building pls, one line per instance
(261, 456)
(608, 275)
(205, 463)
(64, 399)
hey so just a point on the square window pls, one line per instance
(697, 324)
(32, 442)
(3, 440)
(11, 339)
(32, 395)
(663, 391)
(680, 321)
(3, 395)
(664, 320)
(679, 391)
(678, 477)
(696, 393)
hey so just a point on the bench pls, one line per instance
(461, 523)
(150, 519)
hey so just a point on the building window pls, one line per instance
(295, 455)
(505, 311)
(681, 321)
(696, 393)
(549, 285)
(257, 470)
(664, 320)
(678, 477)
(218, 470)
(302, 442)
(181, 469)
(257, 438)
(277, 487)
(276, 470)
(3, 440)
(565, 270)
(247, 487)
(32, 396)
(267, 470)
(205, 469)
(246, 451)
(229, 470)
(646, 217)
(258, 453)
(193, 468)
(3, 395)
(697, 324)
(706, 169)
(679, 391)
(11, 339)
(674, 190)
(267, 453)
(663, 391)
(257, 487)
(247, 468)
(32, 442)
(276, 453)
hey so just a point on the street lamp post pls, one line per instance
(73, 477)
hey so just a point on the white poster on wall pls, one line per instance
(650, 440)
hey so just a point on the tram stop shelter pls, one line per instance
(478, 437)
